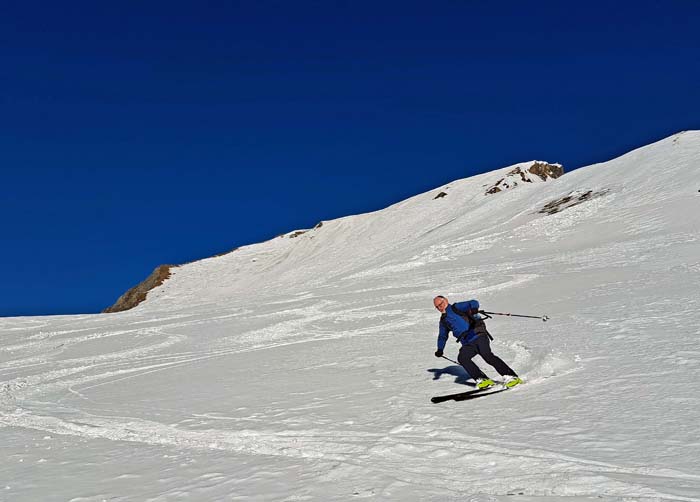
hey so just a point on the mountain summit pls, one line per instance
(517, 200)
(508, 179)
(529, 172)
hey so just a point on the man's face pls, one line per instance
(440, 303)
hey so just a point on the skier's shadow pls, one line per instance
(460, 374)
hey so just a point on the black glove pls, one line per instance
(438, 353)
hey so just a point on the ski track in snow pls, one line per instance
(500, 463)
(316, 386)
(386, 450)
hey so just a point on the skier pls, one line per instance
(467, 325)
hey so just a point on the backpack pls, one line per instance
(478, 325)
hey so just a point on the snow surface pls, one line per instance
(302, 368)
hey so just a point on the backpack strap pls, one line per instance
(478, 325)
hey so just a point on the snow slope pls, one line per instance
(301, 368)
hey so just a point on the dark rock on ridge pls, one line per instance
(573, 199)
(543, 170)
(138, 293)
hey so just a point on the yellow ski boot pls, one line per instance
(511, 381)
(484, 383)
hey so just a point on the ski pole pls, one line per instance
(451, 360)
(543, 317)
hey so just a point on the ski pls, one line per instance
(463, 396)
(471, 394)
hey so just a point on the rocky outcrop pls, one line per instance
(138, 293)
(537, 171)
(572, 199)
(297, 233)
(545, 171)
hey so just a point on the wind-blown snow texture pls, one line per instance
(302, 368)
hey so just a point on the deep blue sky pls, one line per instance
(139, 133)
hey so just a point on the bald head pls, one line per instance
(440, 303)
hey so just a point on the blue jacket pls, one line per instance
(451, 321)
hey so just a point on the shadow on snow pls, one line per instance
(460, 374)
